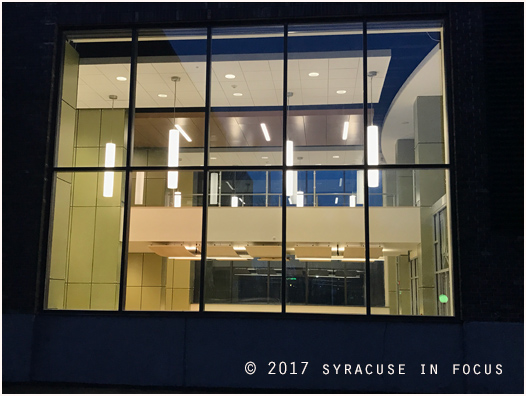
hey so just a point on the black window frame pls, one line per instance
(51, 169)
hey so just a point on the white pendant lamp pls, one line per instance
(173, 146)
(177, 199)
(214, 188)
(290, 174)
(109, 162)
(139, 188)
(372, 143)
(300, 199)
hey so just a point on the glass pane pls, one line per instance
(94, 100)
(243, 269)
(171, 73)
(325, 94)
(406, 93)
(246, 123)
(85, 261)
(164, 242)
(404, 211)
(325, 243)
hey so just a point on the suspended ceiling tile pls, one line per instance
(168, 68)
(314, 65)
(244, 100)
(314, 83)
(192, 100)
(262, 84)
(254, 66)
(94, 80)
(221, 251)
(315, 100)
(185, 84)
(85, 70)
(197, 68)
(354, 252)
(171, 251)
(228, 88)
(145, 68)
(157, 88)
(264, 251)
(344, 74)
(221, 68)
(116, 70)
(266, 102)
(337, 84)
(303, 252)
(344, 63)
(277, 77)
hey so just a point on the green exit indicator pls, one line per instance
(291, 278)
(443, 298)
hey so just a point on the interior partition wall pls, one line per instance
(281, 168)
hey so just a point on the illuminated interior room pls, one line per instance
(364, 165)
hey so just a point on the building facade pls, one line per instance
(211, 188)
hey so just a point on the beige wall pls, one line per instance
(84, 266)
(321, 224)
(155, 283)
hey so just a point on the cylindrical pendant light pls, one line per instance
(214, 188)
(109, 162)
(173, 146)
(177, 199)
(299, 199)
(359, 187)
(290, 162)
(108, 176)
(372, 154)
(373, 144)
(173, 158)
(139, 188)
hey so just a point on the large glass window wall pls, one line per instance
(299, 168)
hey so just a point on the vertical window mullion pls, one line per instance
(365, 177)
(283, 176)
(127, 182)
(206, 149)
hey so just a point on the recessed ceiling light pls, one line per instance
(335, 156)
(213, 158)
(162, 95)
(264, 157)
(121, 78)
(230, 76)
(341, 92)
(314, 74)
(238, 94)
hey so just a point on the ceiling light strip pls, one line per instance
(265, 132)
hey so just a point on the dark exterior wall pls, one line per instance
(191, 352)
(489, 249)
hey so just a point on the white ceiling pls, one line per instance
(259, 81)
